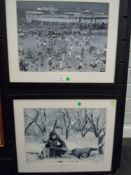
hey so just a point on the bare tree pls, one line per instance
(44, 124)
(83, 124)
(30, 123)
(99, 132)
(67, 121)
(34, 120)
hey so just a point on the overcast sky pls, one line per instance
(33, 5)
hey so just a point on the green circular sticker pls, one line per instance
(79, 104)
(67, 78)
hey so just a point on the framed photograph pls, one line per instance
(62, 41)
(1, 127)
(64, 135)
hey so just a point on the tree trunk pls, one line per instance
(100, 142)
(62, 132)
(68, 124)
(100, 149)
(67, 134)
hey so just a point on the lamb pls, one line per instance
(45, 153)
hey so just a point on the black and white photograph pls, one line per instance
(68, 41)
(61, 36)
(68, 135)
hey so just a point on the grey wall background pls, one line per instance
(127, 125)
(128, 99)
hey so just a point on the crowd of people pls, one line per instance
(62, 47)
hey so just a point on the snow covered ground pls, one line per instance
(33, 149)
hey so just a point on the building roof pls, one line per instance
(34, 12)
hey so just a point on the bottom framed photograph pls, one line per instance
(64, 135)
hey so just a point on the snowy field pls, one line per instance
(80, 134)
(34, 148)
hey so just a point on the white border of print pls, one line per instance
(105, 165)
(16, 75)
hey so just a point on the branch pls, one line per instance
(82, 130)
(29, 126)
(42, 131)
(33, 121)
(75, 123)
(28, 116)
(97, 122)
(45, 114)
(63, 115)
(39, 127)
(92, 122)
(67, 113)
(68, 118)
(83, 134)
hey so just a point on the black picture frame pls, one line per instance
(1, 125)
(121, 60)
(19, 96)
(12, 91)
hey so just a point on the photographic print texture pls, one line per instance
(60, 36)
(64, 134)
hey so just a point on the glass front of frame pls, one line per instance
(62, 41)
(64, 135)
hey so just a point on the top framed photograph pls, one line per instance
(62, 41)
